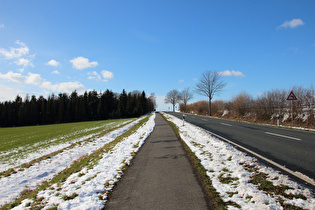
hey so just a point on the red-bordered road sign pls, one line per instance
(291, 97)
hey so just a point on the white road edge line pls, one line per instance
(226, 124)
(294, 173)
(288, 137)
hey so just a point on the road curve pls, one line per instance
(290, 148)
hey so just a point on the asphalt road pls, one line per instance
(160, 176)
(290, 148)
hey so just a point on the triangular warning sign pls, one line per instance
(291, 96)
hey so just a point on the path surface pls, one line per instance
(160, 176)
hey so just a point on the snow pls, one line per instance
(88, 188)
(18, 157)
(12, 186)
(221, 159)
(225, 113)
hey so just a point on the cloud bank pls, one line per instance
(34, 79)
(66, 87)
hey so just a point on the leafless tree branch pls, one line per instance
(210, 84)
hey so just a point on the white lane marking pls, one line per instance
(226, 124)
(204, 120)
(288, 137)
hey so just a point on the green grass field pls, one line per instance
(19, 141)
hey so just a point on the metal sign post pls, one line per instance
(291, 98)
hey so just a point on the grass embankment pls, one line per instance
(18, 142)
(87, 161)
(215, 199)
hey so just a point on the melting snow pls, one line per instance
(89, 187)
(222, 160)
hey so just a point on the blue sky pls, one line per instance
(155, 46)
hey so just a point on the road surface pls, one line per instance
(290, 148)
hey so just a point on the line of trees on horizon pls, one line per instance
(210, 84)
(267, 107)
(66, 108)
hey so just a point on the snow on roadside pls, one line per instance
(88, 186)
(12, 186)
(226, 164)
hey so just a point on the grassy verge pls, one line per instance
(271, 184)
(215, 199)
(32, 138)
(278, 191)
(83, 162)
(95, 134)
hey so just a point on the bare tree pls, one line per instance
(210, 83)
(185, 96)
(309, 101)
(172, 97)
(242, 104)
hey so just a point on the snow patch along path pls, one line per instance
(90, 187)
(42, 149)
(223, 162)
(12, 186)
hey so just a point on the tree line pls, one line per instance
(64, 108)
(267, 107)
(210, 84)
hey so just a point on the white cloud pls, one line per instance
(53, 63)
(181, 81)
(94, 75)
(8, 93)
(55, 72)
(232, 73)
(20, 55)
(107, 75)
(82, 63)
(23, 62)
(292, 23)
(2, 25)
(66, 87)
(13, 53)
(14, 77)
(34, 79)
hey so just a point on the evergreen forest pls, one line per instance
(66, 108)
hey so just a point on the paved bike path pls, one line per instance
(160, 176)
